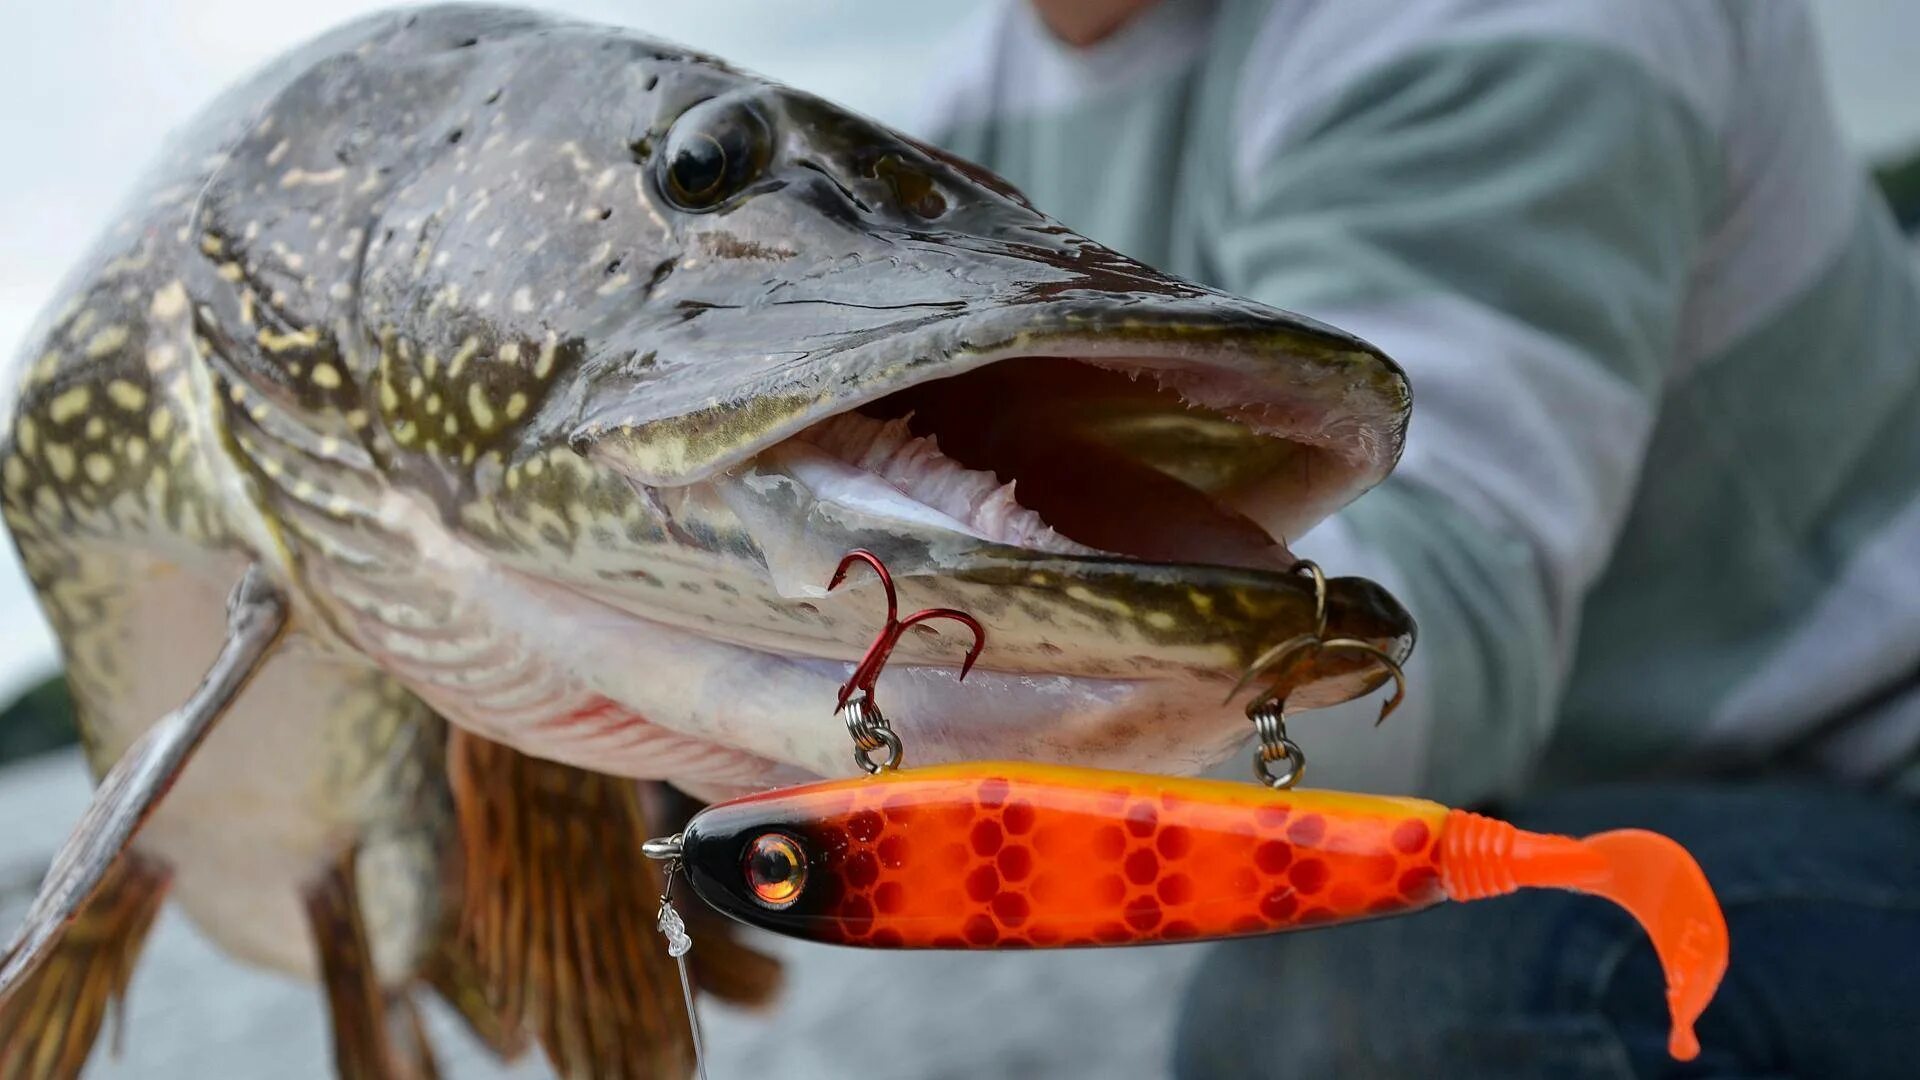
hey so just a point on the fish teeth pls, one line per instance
(914, 465)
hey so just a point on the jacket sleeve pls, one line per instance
(1514, 220)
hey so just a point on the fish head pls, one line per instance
(709, 333)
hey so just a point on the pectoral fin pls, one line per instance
(558, 908)
(376, 1035)
(50, 1019)
(256, 613)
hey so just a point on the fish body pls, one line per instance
(998, 855)
(548, 369)
(567, 450)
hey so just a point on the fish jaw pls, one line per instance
(1164, 558)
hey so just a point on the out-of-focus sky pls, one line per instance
(91, 87)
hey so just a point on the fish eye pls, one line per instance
(713, 151)
(776, 869)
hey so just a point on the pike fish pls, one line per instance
(536, 375)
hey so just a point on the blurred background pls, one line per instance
(87, 95)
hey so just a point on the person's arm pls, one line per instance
(1514, 219)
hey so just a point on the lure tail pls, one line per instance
(1652, 877)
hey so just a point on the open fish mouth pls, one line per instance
(1085, 456)
(1111, 486)
(1112, 500)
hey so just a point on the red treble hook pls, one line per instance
(867, 672)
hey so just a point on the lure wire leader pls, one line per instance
(679, 942)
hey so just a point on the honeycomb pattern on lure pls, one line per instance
(1014, 858)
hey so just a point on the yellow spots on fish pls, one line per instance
(433, 403)
(230, 271)
(296, 176)
(405, 432)
(161, 358)
(510, 353)
(451, 425)
(45, 367)
(135, 451)
(60, 459)
(17, 474)
(99, 468)
(96, 428)
(543, 366)
(279, 151)
(389, 398)
(69, 404)
(47, 502)
(516, 405)
(416, 386)
(127, 395)
(294, 339)
(237, 393)
(211, 244)
(357, 418)
(326, 376)
(1160, 620)
(109, 340)
(535, 467)
(513, 478)
(461, 355)
(1088, 596)
(1202, 603)
(613, 284)
(160, 423)
(248, 301)
(479, 407)
(26, 436)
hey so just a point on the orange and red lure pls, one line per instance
(1010, 855)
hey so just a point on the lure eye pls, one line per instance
(713, 150)
(776, 868)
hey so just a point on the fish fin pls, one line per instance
(558, 906)
(376, 1035)
(256, 613)
(454, 972)
(50, 1020)
(723, 964)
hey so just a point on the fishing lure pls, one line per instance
(1012, 855)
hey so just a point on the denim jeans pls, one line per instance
(1821, 890)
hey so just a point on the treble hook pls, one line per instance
(1277, 693)
(1314, 640)
(867, 672)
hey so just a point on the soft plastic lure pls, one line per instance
(1009, 855)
